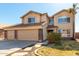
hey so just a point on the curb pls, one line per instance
(13, 52)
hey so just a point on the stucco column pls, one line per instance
(16, 34)
(5, 34)
(40, 35)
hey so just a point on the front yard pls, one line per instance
(66, 48)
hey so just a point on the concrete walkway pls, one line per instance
(28, 51)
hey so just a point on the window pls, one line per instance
(68, 20)
(51, 22)
(31, 20)
(60, 21)
(68, 31)
(63, 19)
(60, 31)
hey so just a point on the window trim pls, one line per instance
(51, 22)
(63, 20)
(30, 22)
(61, 31)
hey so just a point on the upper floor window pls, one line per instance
(31, 20)
(64, 19)
(60, 31)
(51, 22)
(68, 31)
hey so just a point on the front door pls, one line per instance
(50, 31)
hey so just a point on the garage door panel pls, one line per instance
(27, 34)
(10, 35)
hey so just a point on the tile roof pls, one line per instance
(32, 12)
(24, 25)
(70, 10)
(59, 12)
(52, 26)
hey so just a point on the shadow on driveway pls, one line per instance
(9, 44)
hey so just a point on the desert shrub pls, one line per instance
(54, 37)
(67, 46)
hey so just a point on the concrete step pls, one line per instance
(27, 49)
(41, 43)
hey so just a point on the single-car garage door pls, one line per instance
(10, 35)
(27, 35)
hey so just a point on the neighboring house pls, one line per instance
(77, 35)
(35, 26)
(1, 33)
(2, 30)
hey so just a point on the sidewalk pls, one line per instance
(6, 52)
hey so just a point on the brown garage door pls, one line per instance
(10, 35)
(27, 34)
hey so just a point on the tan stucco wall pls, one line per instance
(44, 18)
(10, 35)
(45, 30)
(44, 33)
(37, 18)
(67, 25)
(34, 29)
(27, 35)
(44, 25)
(26, 32)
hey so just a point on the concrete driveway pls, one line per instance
(9, 46)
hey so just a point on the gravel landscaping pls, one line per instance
(68, 48)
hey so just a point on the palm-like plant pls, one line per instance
(75, 7)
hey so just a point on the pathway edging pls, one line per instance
(35, 52)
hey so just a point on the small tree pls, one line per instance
(54, 37)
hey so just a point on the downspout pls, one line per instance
(74, 24)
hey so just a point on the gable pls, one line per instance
(30, 12)
(63, 13)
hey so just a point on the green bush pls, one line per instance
(54, 37)
(67, 46)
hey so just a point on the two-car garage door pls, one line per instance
(22, 34)
(10, 34)
(27, 34)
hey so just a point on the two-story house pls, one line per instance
(35, 26)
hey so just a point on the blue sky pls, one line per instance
(10, 13)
